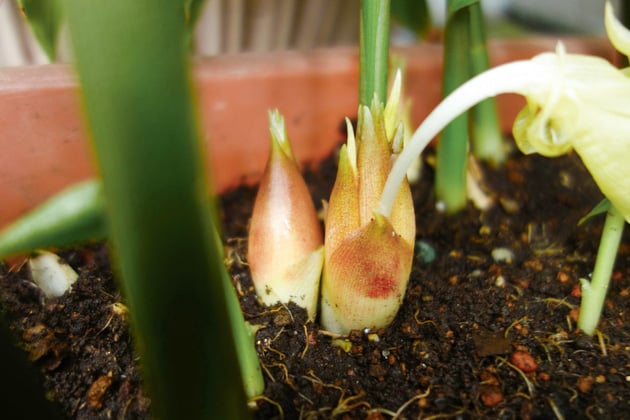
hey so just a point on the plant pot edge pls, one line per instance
(44, 138)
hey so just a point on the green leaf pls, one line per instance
(192, 10)
(412, 14)
(136, 84)
(75, 215)
(601, 207)
(454, 5)
(45, 18)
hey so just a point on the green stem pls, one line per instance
(452, 148)
(451, 165)
(487, 141)
(132, 62)
(244, 336)
(374, 51)
(594, 292)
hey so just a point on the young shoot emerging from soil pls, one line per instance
(574, 102)
(285, 249)
(368, 256)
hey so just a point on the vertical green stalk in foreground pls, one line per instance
(132, 62)
(374, 51)
(487, 141)
(452, 148)
(594, 292)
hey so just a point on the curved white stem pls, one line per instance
(516, 77)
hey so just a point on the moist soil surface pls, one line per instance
(487, 328)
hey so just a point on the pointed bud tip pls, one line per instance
(351, 146)
(279, 137)
(391, 109)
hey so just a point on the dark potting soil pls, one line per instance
(487, 328)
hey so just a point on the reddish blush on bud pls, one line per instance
(365, 278)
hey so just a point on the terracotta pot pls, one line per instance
(44, 143)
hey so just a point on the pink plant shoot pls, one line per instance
(368, 256)
(285, 250)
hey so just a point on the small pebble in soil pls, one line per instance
(491, 395)
(574, 314)
(524, 361)
(343, 344)
(584, 383)
(503, 255)
(510, 206)
(576, 290)
(282, 319)
(562, 277)
(499, 281)
(584, 342)
(97, 390)
(425, 252)
(565, 179)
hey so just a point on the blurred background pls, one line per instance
(231, 26)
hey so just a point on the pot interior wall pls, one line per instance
(44, 140)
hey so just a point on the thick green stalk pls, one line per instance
(487, 141)
(452, 148)
(374, 51)
(594, 292)
(132, 64)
